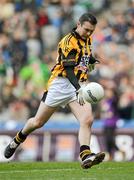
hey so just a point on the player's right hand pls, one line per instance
(80, 98)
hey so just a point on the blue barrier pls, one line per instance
(64, 124)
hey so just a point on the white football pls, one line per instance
(93, 92)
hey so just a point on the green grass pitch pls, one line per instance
(66, 171)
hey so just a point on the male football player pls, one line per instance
(73, 64)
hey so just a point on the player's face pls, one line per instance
(86, 29)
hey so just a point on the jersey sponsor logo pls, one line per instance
(85, 60)
(83, 65)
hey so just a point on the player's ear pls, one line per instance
(78, 23)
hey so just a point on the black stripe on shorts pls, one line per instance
(44, 96)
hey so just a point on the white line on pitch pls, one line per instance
(36, 170)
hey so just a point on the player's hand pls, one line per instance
(91, 67)
(93, 61)
(80, 98)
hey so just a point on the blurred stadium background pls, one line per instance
(29, 33)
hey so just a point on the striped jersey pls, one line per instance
(73, 51)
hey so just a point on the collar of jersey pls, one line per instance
(75, 34)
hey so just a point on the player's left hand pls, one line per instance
(91, 67)
(93, 61)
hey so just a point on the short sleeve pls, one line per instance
(67, 51)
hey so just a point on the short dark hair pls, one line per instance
(88, 17)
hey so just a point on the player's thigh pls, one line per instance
(44, 112)
(82, 113)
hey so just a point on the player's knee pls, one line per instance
(87, 121)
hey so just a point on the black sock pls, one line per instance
(84, 152)
(84, 147)
(20, 137)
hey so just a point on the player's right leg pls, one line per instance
(85, 118)
(43, 114)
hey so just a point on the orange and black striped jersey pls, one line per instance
(73, 51)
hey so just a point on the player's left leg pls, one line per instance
(84, 115)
